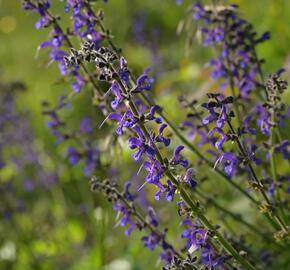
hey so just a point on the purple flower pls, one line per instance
(124, 71)
(211, 259)
(115, 88)
(188, 178)
(212, 115)
(155, 172)
(86, 125)
(28, 185)
(27, 5)
(126, 218)
(231, 162)
(127, 120)
(252, 149)
(144, 82)
(284, 149)
(142, 147)
(176, 159)
(160, 137)
(222, 117)
(199, 12)
(170, 191)
(219, 143)
(237, 63)
(196, 236)
(92, 159)
(151, 241)
(73, 155)
(265, 36)
(127, 193)
(152, 217)
(79, 83)
(151, 114)
(247, 127)
(263, 119)
(54, 122)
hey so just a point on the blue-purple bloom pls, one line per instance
(73, 155)
(160, 137)
(230, 162)
(189, 178)
(195, 235)
(126, 219)
(142, 147)
(177, 159)
(144, 82)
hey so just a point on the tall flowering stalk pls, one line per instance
(238, 67)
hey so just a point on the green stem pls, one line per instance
(256, 180)
(236, 217)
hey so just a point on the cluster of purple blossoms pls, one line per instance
(83, 26)
(237, 64)
(198, 239)
(133, 220)
(220, 114)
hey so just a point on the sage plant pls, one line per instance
(234, 138)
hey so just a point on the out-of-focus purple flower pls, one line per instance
(152, 217)
(28, 185)
(265, 36)
(263, 119)
(86, 125)
(78, 84)
(92, 159)
(198, 12)
(83, 21)
(284, 149)
(127, 194)
(73, 155)
(252, 153)
(151, 241)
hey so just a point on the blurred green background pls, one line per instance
(65, 227)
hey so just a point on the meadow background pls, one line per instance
(65, 226)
